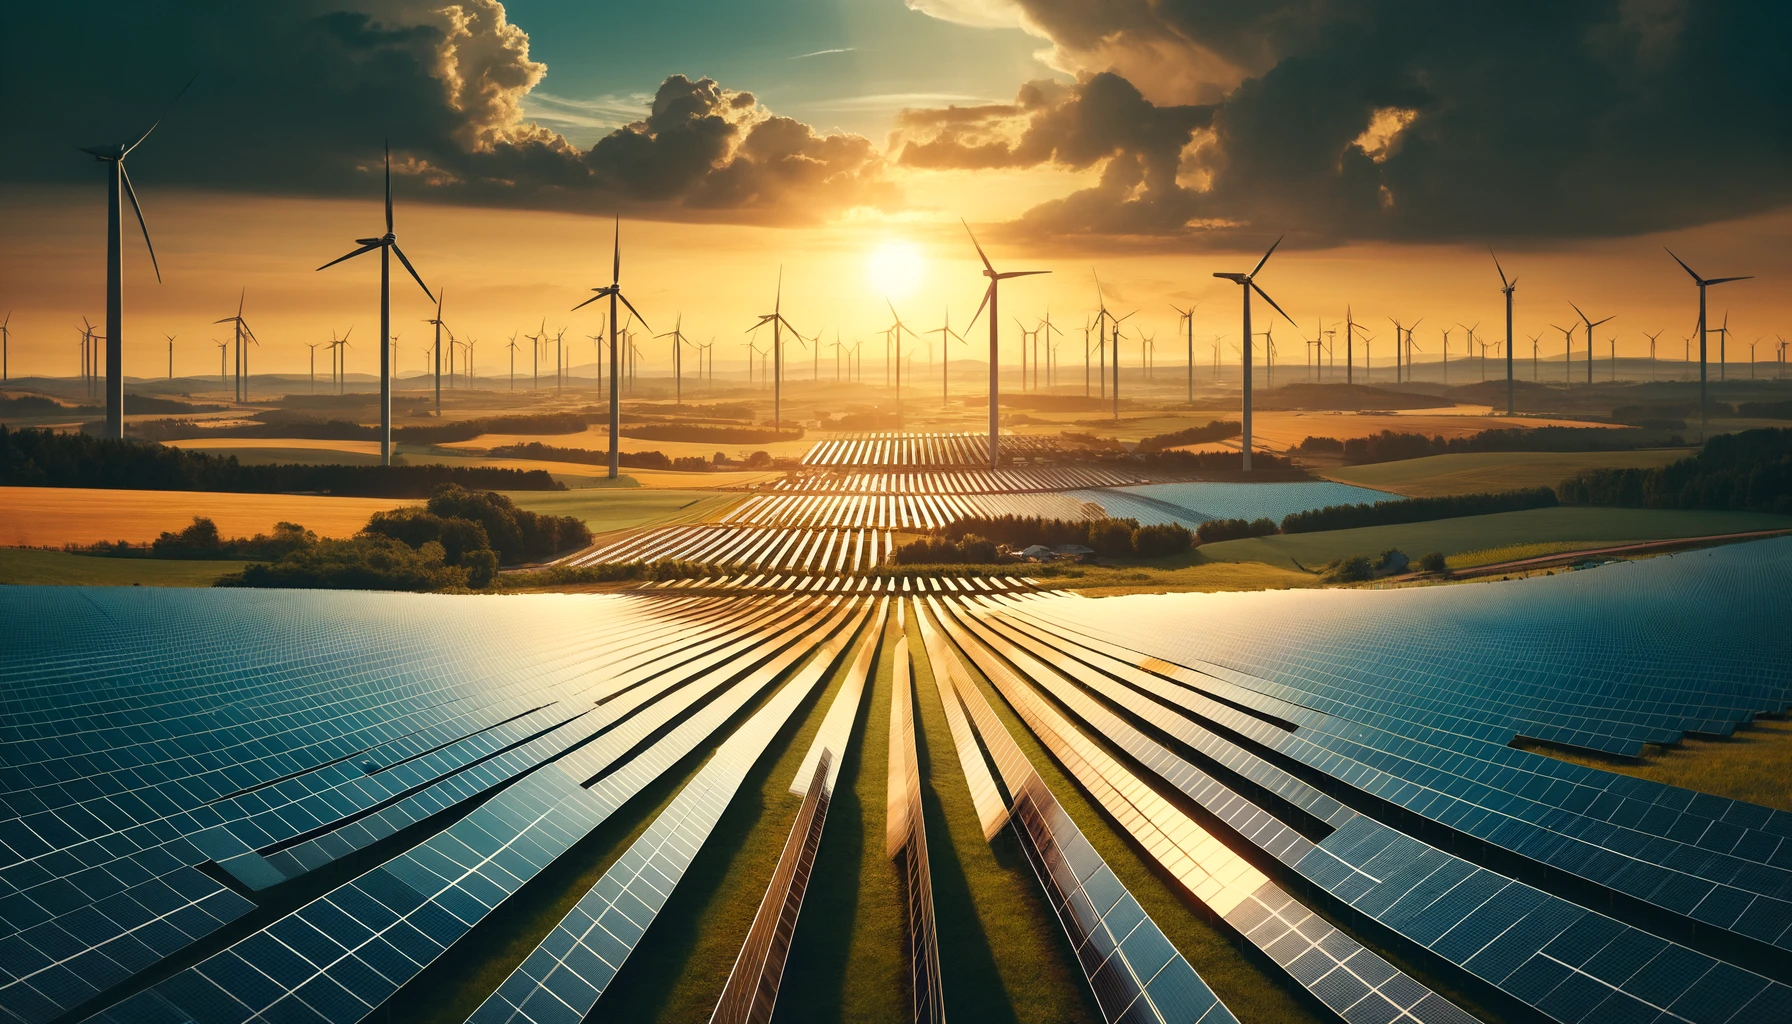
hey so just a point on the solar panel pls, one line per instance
(1132, 968)
(566, 974)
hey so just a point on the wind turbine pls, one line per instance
(387, 244)
(1102, 318)
(1723, 344)
(1652, 338)
(677, 336)
(897, 327)
(1048, 328)
(223, 348)
(1116, 322)
(512, 347)
(1469, 344)
(1350, 329)
(1703, 284)
(990, 298)
(1248, 283)
(1590, 325)
(5, 344)
(946, 333)
(118, 186)
(1567, 352)
(170, 338)
(440, 325)
(1506, 289)
(535, 341)
(1189, 316)
(1536, 339)
(613, 291)
(778, 323)
(241, 327)
(312, 386)
(342, 348)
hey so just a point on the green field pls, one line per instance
(1478, 472)
(1753, 764)
(29, 567)
(605, 509)
(1589, 526)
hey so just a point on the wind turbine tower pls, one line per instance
(1506, 289)
(387, 244)
(990, 298)
(1248, 283)
(614, 293)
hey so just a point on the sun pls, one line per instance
(894, 269)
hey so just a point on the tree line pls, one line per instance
(47, 458)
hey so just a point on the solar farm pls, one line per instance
(301, 806)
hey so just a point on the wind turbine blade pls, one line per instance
(1683, 265)
(1583, 316)
(1020, 273)
(1265, 259)
(633, 310)
(389, 188)
(616, 254)
(1502, 272)
(145, 135)
(987, 292)
(350, 256)
(1272, 302)
(985, 259)
(1726, 280)
(129, 191)
(396, 251)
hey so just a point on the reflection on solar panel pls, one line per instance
(1134, 971)
(906, 842)
(1311, 766)
(563, 978)
(1335, 969)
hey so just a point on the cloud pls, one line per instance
(1404, 120)
(822, 53)
(297, 97)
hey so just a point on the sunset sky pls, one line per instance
(1150, 142)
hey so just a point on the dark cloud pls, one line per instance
(296, 97)
(1572, 118)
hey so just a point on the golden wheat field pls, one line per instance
(39, 516)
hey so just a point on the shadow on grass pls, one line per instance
(968, 972)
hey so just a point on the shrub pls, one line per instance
(1233, 529)
(1353, 569)
(1217, 430)
(692, 464)
(1416, 510)
(1315, 445)
(968, 550)
(365, 562)
(418, 526)
(515, 534)
(1111, 536)
(1159, 539)
(1432, 561)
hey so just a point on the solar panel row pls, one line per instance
(1008, 479)
(1421, 893)
(1707, 860)
(1134, 971)
(906, 843)
(566, 974)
